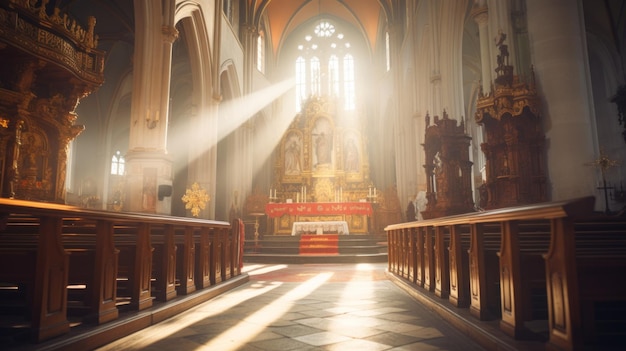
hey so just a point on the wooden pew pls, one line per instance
(557, 261)
(459, 265)
(584, 271)
(522, 275)
(44, 286)
(47, 247)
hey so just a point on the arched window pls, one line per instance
(260, 52)
(325, 66)
(316, 76)
(348, 82)
(333, 72)
(117, 164)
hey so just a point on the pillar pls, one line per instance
(149, 167)
(559, 55)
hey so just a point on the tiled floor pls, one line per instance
(305, 307)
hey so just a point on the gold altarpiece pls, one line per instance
(323, 158)
(49, 62)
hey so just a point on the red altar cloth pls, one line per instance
(319, 208)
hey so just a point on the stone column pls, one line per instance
(559, 55)
(481, 17)
(149, 168)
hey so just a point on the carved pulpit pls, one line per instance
(515, 143)
(49, 62)
(448, 168)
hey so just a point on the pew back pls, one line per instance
(555, 262)
(56, 260)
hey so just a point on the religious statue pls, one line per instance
(351, 156)
(31, 151)
(323, 148)
(503, 57)
(292, 157)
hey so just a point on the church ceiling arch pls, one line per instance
(283, 17)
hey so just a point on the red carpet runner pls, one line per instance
(327, 244)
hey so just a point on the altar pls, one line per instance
(319, 228)
(321, 171)
(344, 217)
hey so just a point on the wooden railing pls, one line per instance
(56, 258)
(555, 262)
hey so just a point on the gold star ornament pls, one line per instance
(195, 199)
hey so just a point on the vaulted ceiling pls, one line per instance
(285, 16)
(282, 17)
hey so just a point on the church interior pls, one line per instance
(178, 126)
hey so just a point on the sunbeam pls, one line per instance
(233, 113)
(230, 116)
(254, 324)
(186, 319)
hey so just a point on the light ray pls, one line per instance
(254, 324)
(184, 320)
(234, 113)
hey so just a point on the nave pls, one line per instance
(306, 307)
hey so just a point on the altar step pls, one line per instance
(357, 248)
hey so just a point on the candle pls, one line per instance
(374, 191)
(147, 114)
(157, 116)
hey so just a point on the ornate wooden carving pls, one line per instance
(50, 62)
(448, 168)
(515, 142)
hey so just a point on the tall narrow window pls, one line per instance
(316, 76)
(324, 66)
(333, 75)
(260, 52)
(117, 164)
(349, 94)
(300, 82)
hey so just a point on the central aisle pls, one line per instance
(305, 307)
